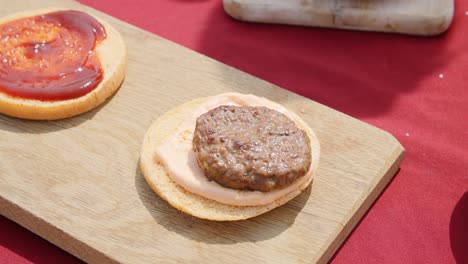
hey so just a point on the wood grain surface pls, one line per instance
(417, 17)
(77, 182)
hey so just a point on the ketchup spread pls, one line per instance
(50, 57)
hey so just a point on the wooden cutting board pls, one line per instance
(418, 17)
(77, 182)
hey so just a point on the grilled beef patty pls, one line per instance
(251, 148)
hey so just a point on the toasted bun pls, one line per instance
(193, 204)
(113, 58)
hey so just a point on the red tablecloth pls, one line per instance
(415, 88)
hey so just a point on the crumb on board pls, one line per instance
(407, 134)
(441, 76)
(303, 111)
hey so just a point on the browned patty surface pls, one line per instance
(251, 148)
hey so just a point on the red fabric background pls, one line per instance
(390, 81)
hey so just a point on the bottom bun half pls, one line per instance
(193, 204)
(112, 56)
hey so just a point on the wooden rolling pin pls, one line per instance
(416, 17)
